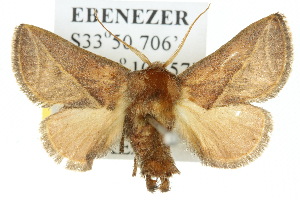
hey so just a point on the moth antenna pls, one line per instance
(134, 50)
(170, 60)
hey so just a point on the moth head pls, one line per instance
(141, 55)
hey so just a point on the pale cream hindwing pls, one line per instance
(226, 137)
(80, 135)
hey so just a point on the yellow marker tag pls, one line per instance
(46, 112)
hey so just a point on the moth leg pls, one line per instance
(151, 184)
(165, 185)
(121, 148)
(135, 165)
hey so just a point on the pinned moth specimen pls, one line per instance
(208, 104)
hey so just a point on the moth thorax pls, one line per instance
(153, 90)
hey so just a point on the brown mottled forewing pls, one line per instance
(253, 66)
(214, 115)
(52, 70)
(91, 88)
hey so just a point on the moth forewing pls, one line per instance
(52, 70)
(253, 66)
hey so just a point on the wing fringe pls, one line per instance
(16, 66)
(289, 61)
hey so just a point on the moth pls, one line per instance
(208, 105)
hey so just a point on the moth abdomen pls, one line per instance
(152, 155)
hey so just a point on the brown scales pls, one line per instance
(153, 93)
(208, 105)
